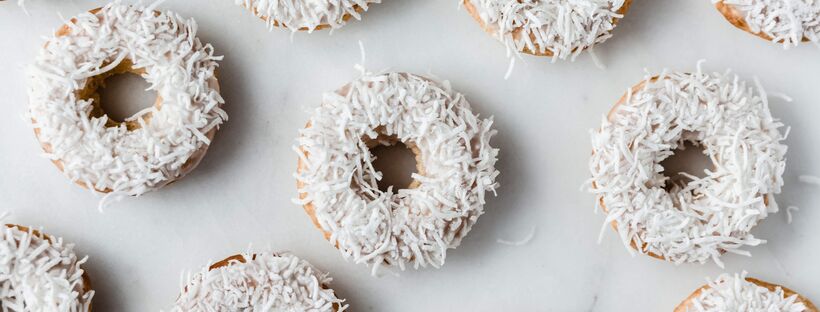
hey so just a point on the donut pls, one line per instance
(553, 28)
(39, 272)
(694, 219)
(740, 293)
(259, 282)
(337, 182)
(788, 22)
(307, 15)
(155, 146)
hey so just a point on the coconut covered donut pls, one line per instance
(155, 146)
(266, 282)
(693, 219)
(788, 22)
(740, 293)
(556, 28)
(41, 273)
(307, 15)
(338, 184)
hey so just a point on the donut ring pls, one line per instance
(706, 217)
(784, 21)
(545, 36)
(277, 282)
(730, 293)
(155, 146)
(307, 15)
(338, 185)
(39, 272)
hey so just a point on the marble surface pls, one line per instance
(241, 193)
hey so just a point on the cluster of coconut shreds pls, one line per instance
(735, 293)
(785, 21)
(264, 282)
(701, 219)
(306, 14)
(40, 275)
(177, 66)
(412, 226)
(565, 28)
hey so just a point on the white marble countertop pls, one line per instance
(241, 193)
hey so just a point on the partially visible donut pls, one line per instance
(700, 218)
(558, 29)
(259, 282)
(740, 293)
(414, 226)
(307, 15)
(41, 273)
(788, 22)
(156, 146)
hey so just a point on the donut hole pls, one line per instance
(120, 94)
(687, 160)
(396, 162)
(124, 96)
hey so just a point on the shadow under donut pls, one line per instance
(225, 147)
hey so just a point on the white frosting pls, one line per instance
(735, 293)
(306, 14)
(268, 282)
(707, 216)
(413, 226)
(786, 21)
(40, 275)
(562, 28)
(177, 66)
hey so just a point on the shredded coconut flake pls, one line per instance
(701, 219)
(520, 242)
(266, 282)
(40, 274)
(177, 66)
(789, 210)
(737, 293)
(785, 21)
(307, 15)
(558, 28)
(814, 180)
(414, 226)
